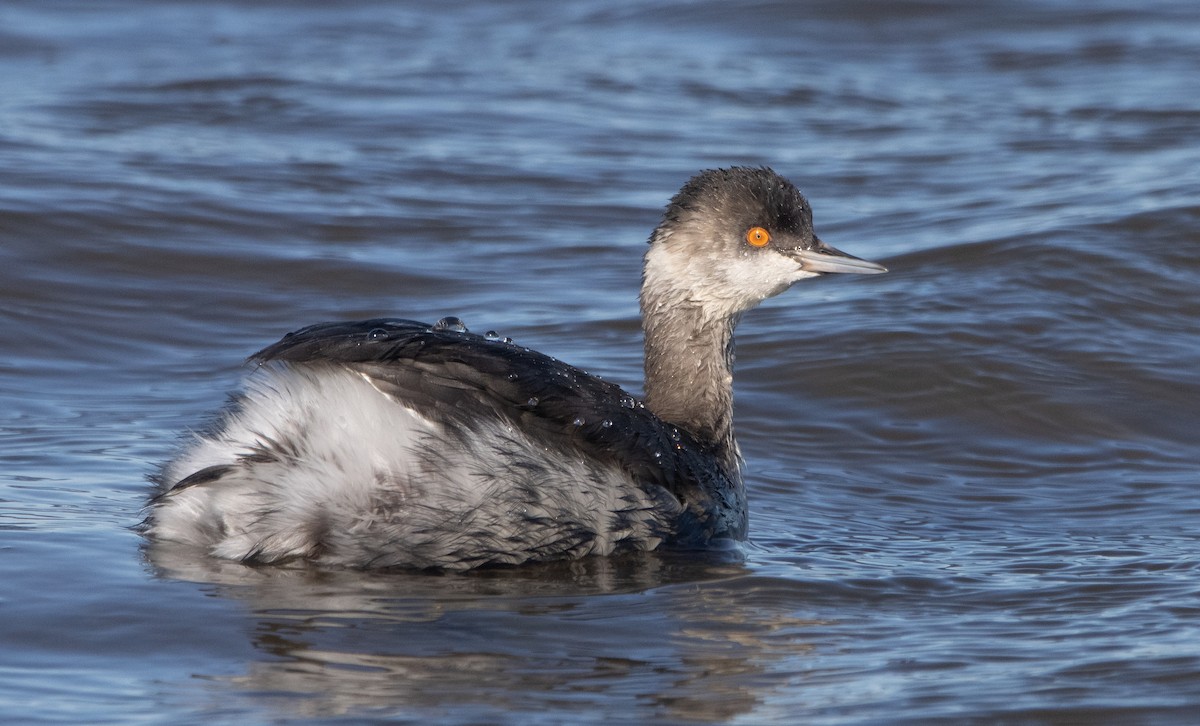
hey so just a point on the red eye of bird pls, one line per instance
(757, 237)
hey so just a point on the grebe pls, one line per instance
(391, 443)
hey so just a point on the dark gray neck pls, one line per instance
(689, 369)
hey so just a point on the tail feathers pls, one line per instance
(224, 509)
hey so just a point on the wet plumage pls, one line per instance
(389, 442)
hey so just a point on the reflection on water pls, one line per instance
(413, 644)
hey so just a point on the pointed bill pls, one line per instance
(824, 258)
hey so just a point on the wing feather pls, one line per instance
(464, 376)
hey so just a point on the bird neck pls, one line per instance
(689, 367)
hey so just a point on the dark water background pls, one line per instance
(973, 480)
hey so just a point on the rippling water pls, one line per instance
(973, 480)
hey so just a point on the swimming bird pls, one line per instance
(393, 443)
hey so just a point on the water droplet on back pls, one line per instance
(497, 338)
(378, 334)
(451, 324)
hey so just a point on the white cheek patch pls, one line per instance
(763, 274)
(731, 286)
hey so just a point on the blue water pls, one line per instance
(972, 480)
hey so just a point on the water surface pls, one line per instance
(971, 480)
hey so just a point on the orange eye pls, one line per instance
(758, 237)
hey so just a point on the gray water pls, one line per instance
(972, 480)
